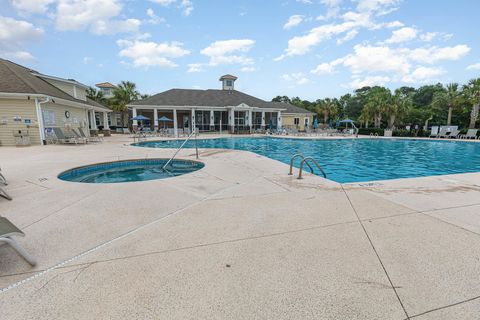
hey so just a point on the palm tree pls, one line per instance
(327, 107)
(450, 98)
(95, 94)
(472, 94)
(123, 94)
(378, 99)
(399, 105)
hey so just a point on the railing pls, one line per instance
(194, 133)
(293, 158)
(316, 164)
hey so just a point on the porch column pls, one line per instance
(212, 121)
(94, 122)
(105, 121)
(231, 120)
(155, 119)
(250, 120)
(134, 122)
(279, 123)
(263, 120)
(175, 125)
(193, 120)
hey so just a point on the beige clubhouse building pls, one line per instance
(32, 103)
(222, 110)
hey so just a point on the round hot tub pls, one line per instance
(130, 171)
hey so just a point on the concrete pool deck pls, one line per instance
(239, 239)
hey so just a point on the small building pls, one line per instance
(32, 103)
(106, 88)
(224, 110)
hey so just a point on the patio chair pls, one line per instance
(453, 134)
(4, 194)
(443, 133)
(3, 180)
(7, 230)
(89, 139)
(79, 137)
(434, 131)
(471, 134)
(62, 138)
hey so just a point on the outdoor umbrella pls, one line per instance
(346, 121)
(164, 119)
(140, 118)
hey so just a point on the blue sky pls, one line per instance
(307, 48)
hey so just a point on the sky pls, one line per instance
(307, 48)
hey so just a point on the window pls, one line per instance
(229, 83)
(239, 118)
(296, 121)
(305, 121)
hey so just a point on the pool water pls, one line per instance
(356, 160)
(130, 170)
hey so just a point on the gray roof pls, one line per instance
(15, 78)
(212, 98)
(292, 109)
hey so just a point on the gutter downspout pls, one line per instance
(41, 127)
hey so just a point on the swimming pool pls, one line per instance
(356, 160)
(130, 171)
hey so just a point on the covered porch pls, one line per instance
(180, 121)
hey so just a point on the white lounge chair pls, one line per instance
(4, 194)
(471, 134)
(434, 131)
(453, 134)
(62, 138)
(79, 138)
(443, 133)
(3, 180)
(7, 230)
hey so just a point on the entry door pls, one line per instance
(186, 122)
(306, 122)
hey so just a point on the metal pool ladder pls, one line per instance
(305, 160)
(194, 133)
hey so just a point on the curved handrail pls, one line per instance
(293, 158)
(194, 132)
(316, 164)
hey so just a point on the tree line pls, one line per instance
(379, 107)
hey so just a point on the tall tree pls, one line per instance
(450, 98)
(284, 99)
(472, 93)
(378, 99)
(123, 94)
(327, 107)
(398, 106)
(95, 94)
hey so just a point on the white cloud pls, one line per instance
(298, 78)
(248, 69)
(17, 55)
(403, 35)
(95, 15)
(32, 6)
(367, 59)
(349, 36)
(475, 66)
(185, 5)
(14, 34)
(369, 81)
(333, 7)
(323, 68)
(146, 54)
(195, 67)
(293, 21)
(381, 7)
(305, 1)
(229, 52)
(18, 31)
(154, 19)
(432, 55)
(423, 74)
(87, 60)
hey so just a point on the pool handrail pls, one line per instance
(194, 132)
(316, 164)
(291, 163)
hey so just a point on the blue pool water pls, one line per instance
(356, 160)
(129, 171)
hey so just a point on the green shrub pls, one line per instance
(368, 131)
